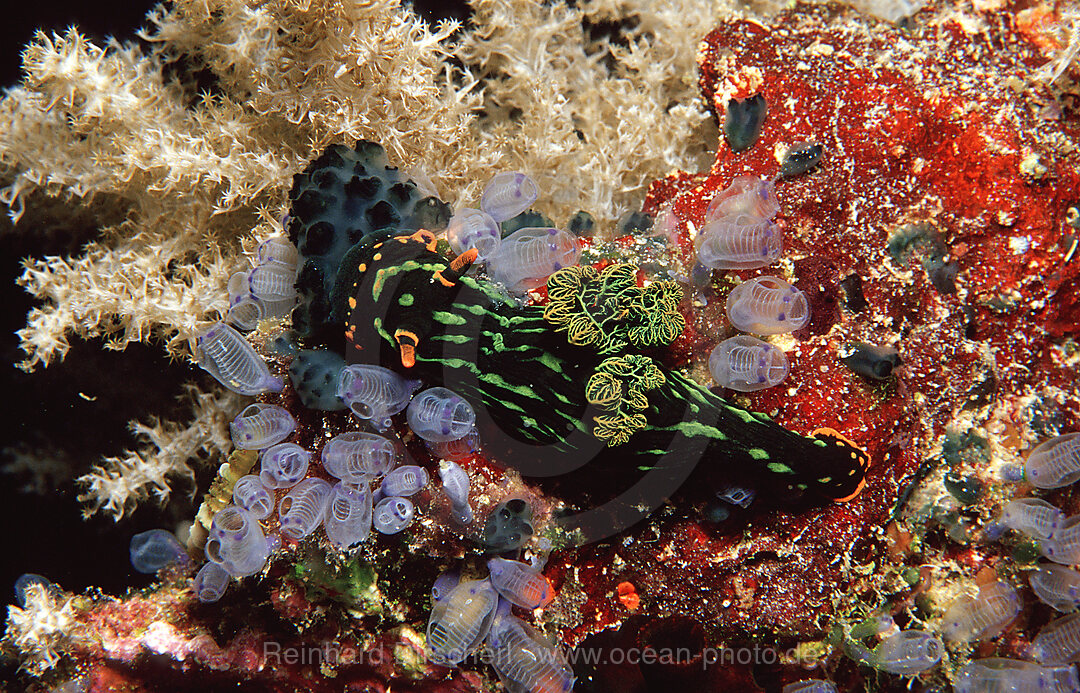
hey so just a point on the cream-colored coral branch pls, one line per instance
(162, 281)
(117, 485)
(528, 88)
(190, 169)
(593, 121)
(1067, 31)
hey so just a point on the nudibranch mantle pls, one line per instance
(412, 309)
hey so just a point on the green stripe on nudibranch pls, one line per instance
(691, 429)
(448, 318)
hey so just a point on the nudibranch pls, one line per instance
(553, 388)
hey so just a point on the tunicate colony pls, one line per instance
(903, 652)
(237, 546)
(739, 233)
(478, 612)
(985, 615)
(268, 290)
(348, 509)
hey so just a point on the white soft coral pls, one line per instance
(119, 483)
(42, 629)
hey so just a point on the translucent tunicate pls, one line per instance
(277, 249)
(225, 354)
(459, 623)
(529, 256)
(455, 482)
(154, 549)
(747, 195)
(1055, 463)
(1058, 642)
(251, 494)
(1063, 546)
(981, 617)
(357, 457)
(907, 653)
(404, 481)
(519, 583)
(284, 465)
(767, 305)
(508, 194)
(740, 242)
(303, 508)
(348, 514)
(471, 228)
(246, 310)
(810, 686)
(892, 11)
(737, 495)
(1032, 516)
(525, 660)
(236, 542)
(1056, 585)
(24, 581)
(444, 585)
(463, 515)
(375, 393)
(747, 364)
(440, 415)
(999, 675)
(455, 450)
(210, 583)
(393, 514)
(261, 425)
(272, 281)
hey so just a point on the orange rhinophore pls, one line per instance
(462, 262)
(407, 342)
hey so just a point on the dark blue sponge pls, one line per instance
(314, 374)
(341, 197)
(509, 526)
